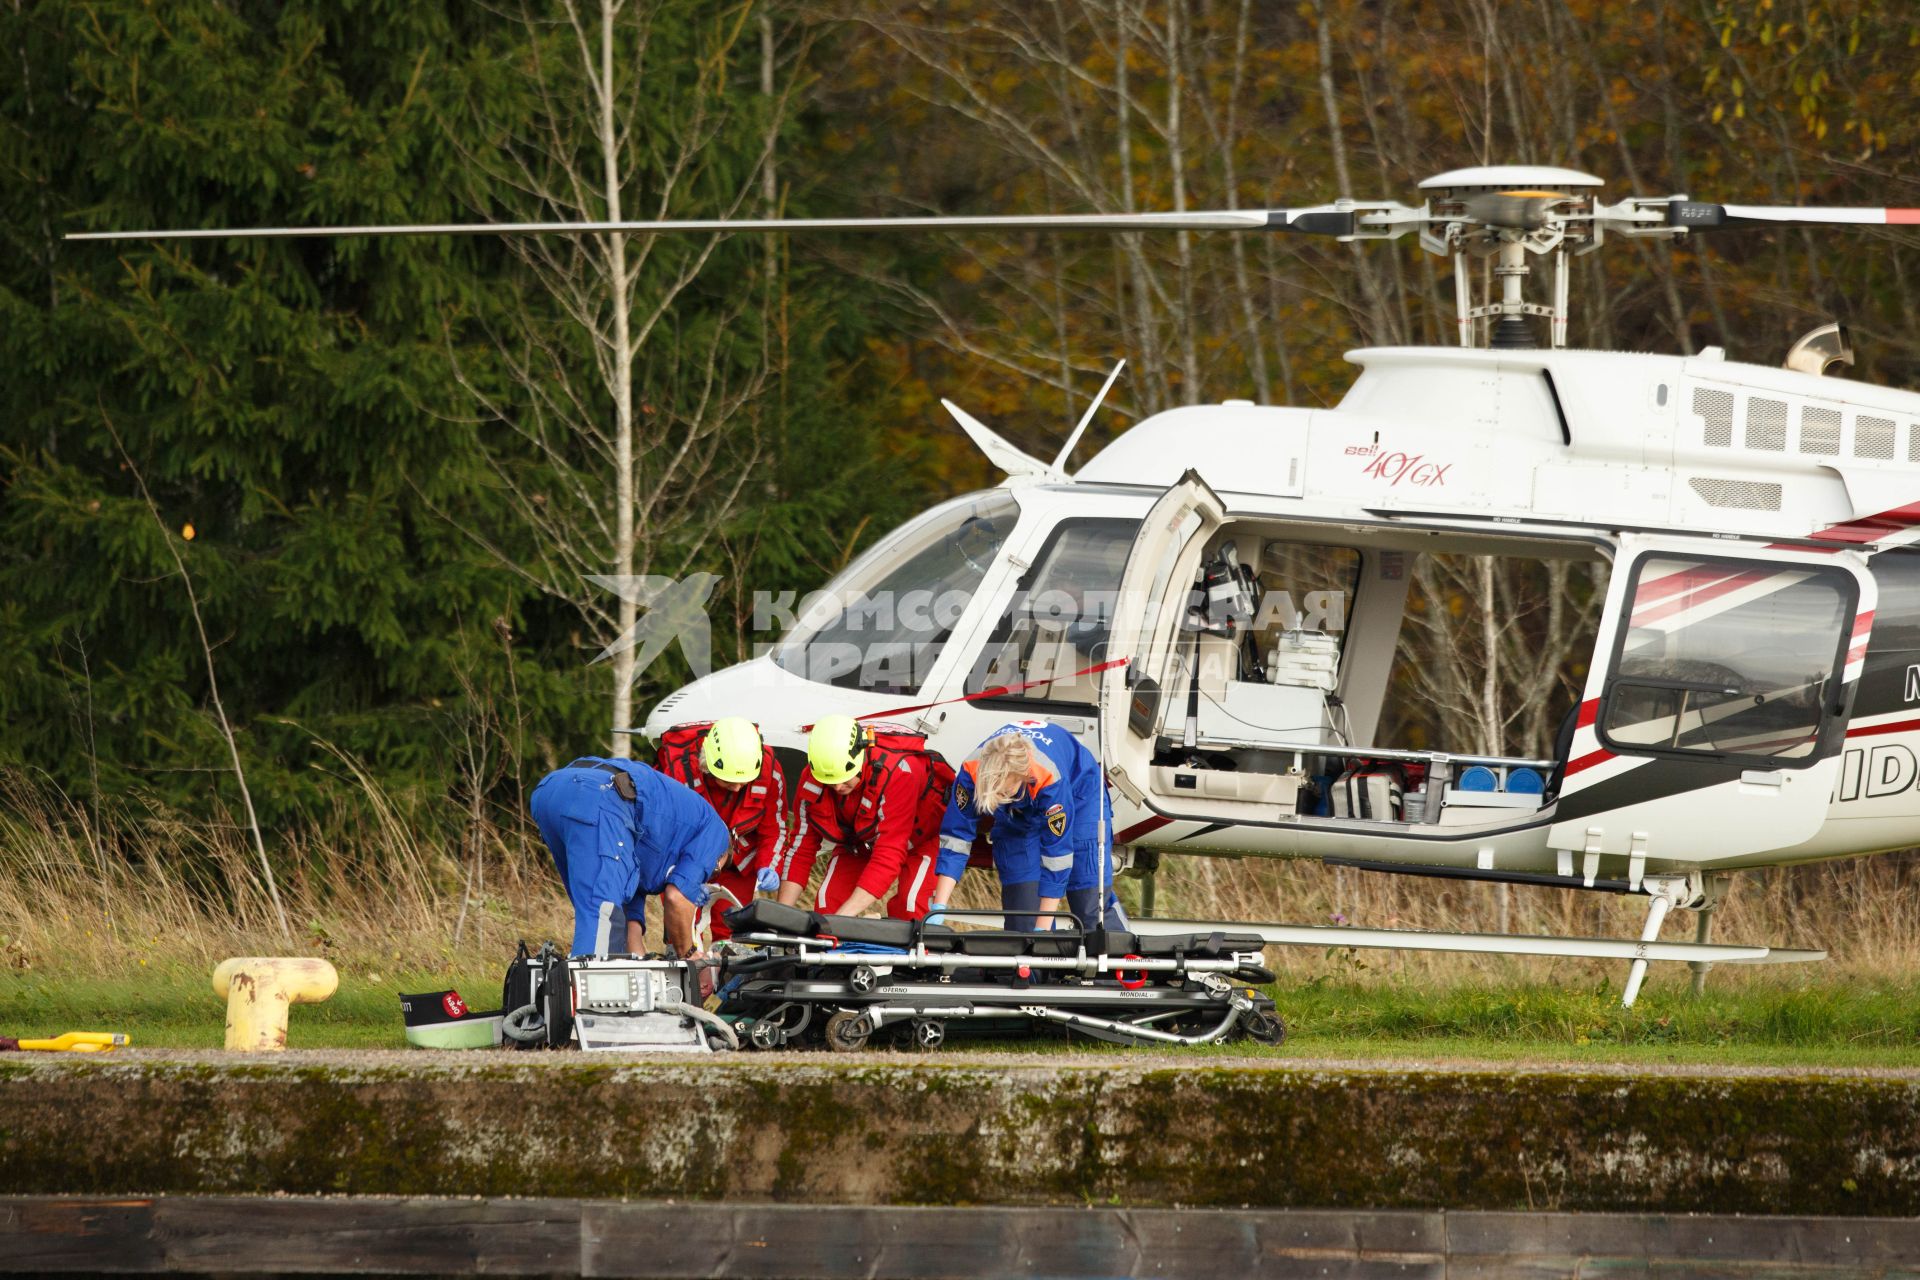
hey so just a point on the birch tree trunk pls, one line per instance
(1229, 142)
(1343, 177)
(1190, 388)
(629, 108)
(621, 357)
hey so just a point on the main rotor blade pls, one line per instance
(1331, 220)
(1696, 215)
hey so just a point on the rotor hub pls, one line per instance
(1507, 213)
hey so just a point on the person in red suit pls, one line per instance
(876, 793)
(728, 765)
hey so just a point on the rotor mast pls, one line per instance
(1503, 215)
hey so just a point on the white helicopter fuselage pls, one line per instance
(1755, 672)
(1753, 696)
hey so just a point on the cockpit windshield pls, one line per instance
(881, 624)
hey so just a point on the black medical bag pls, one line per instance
(537, 999)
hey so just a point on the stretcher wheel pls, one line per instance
(1264, 1025)
(863, 979)
(929, 1033)
(765, 1035)
(848, 1031)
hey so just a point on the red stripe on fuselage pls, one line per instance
(1144, 827)
(1871, 528)
(1874, 730)
(1587, 761)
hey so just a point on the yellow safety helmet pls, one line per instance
(731, 750)
(836, 749)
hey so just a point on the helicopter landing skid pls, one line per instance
(1637, 951)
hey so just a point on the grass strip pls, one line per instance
(1750, 1024)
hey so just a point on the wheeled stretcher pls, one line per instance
(807, 978)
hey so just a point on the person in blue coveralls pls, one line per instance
(619, 831)
(1052, 826)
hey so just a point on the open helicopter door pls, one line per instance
(1670, 605)
(1711, 726)
(1159, 574)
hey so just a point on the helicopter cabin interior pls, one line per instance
(1276, 688)
(1732, 657)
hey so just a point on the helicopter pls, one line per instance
(1212, 601)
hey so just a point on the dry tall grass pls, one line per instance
(103, 895)
(138, 885)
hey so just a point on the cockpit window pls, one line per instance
(1728, 658)
(881, 625)
(1055, 629)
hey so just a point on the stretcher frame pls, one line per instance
(813, 951)
(868, 991)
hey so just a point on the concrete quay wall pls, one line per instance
(899, 1130)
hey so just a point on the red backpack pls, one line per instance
(892, 745)
(678, 755)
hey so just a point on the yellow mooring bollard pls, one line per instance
(258, 990)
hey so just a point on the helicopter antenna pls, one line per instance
(1020, 466)
(1066, 450)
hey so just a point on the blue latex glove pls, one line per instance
(936, 913)
(766, 881)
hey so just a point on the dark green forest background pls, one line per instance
(295, 403)
(343, 426)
